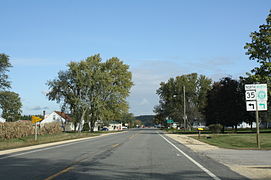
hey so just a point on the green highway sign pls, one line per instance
(170, 121)
(262, 95)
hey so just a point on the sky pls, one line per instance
(158, 39)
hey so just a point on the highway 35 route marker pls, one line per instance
(256, 94)
(256, 100)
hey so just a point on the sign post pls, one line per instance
(256, 100)
(36, 119)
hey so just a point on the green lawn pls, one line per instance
(237, 141)
(30, 140)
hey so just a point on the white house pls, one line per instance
(64, 119)
(2, 119)
(115, 126)
(246, 125)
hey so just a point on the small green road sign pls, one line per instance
(170, 121)
(262, 95)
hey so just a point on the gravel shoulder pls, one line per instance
(254, 164)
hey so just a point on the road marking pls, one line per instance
(134, 135)
(59, 173)
(192, 160)
(115, 145)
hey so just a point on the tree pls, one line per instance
(10, 104)
(171, 93)
(128, 118)
(226, 103)
(92, 90)
(4, 65)
(259, 49)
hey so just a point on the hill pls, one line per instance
(147, 120)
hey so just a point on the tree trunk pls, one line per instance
(223, 128)
(82, 119)
(92, 124)
(75, 126)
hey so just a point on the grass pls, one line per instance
(30, 140)
(227, 131)
(237, 141)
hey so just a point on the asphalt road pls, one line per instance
(135, 154)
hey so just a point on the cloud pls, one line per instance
(147, 78)
(44, 92)
(144, 101)
(38, 108)
(148, 75)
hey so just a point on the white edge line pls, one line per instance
(51, 147)
(43, 149)
(192, 160)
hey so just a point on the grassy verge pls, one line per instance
(227, 131)
(30, 140)
(237, 141)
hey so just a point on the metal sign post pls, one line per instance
(257, 127)
(256, 100)
(36, 131)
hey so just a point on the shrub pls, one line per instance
(215, 128)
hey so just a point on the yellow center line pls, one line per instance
(115, 145)
(134, 135)
(59, 173)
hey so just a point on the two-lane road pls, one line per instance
(135, 154)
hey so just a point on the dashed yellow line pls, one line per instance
(59, 173)
(115, 145)
(134, 135)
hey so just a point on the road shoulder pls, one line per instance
(27, 148)
(253, 164)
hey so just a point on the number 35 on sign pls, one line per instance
(250, 95)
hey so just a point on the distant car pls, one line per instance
(105, 129)
(124, 127)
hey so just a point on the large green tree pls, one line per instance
(4, 65)
(171, 93)
(259, 49)
(226, 103)
(10, 103)
(93, 90)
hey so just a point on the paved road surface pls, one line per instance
(135, 154)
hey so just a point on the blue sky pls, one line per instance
(159, 39)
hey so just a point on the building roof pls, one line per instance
(63, 115)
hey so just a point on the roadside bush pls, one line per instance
(10, 130)
(215, 128)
